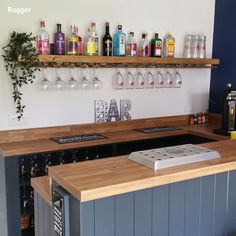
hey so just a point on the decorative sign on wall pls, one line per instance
(105, 112)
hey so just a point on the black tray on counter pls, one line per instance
(159, 129)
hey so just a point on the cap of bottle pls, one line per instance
(119, 27)
(143, 36)
(42, 23)
(59, 27)
(156, 35)
(93, 24)
(131, 33)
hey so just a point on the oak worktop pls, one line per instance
(117, 175)
(25, 142)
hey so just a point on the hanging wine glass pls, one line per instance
(118, 81)
(96, 82)
(159, 80)
(59, 83)
(177, 79)
(129, 79)
(139, 80)
(149, 80)
(168, 80)
(44, 84)
(84, 83)
(72, 83)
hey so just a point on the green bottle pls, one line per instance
(156, 46)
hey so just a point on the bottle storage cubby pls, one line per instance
(36, 165)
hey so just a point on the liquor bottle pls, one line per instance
(156, 46)
(43, 47)
(91, 45)
(119, 40)
(131, 48)
(144, 46)
(169, 46)
(94, 33)
(59, 41)
(72, 42)
(107, 42)
(80, 44)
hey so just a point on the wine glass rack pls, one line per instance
(123, 62)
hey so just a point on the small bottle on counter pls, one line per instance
(191, 119)
(195, 119)
(199, 118)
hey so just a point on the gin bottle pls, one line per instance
(59, 41)
(95, 36)
(144, 46)
(119, 40)
(131, 49)
(43, 47)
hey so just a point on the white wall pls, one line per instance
(60, 108)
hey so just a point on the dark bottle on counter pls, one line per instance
(59, 42)
(107, 42)
(156, 46)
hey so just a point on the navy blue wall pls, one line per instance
(224, 47)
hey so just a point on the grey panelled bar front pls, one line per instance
(204, 206)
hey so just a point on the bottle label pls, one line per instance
(97, 43)
(80, 48)
(43, 47)
(170, 46)
(132, 49)
(91, 48)
(108, 48)
(60, 46)
(122, 46)
(72, 45)
(158, 49)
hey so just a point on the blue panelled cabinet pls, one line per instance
(204, 206)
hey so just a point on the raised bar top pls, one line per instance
(112, 176)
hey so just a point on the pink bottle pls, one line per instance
(43, 47)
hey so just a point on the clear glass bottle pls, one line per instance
(131, 48)
(43, 46)
(156, 46)
(195, 46)
(144, 46)
(169, 46)
(72, 42)
(59, 41)
(188, 46)
(119, 40)
(91, 45)
(95, 36)
(202, 46)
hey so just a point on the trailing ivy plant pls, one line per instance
(20, 45)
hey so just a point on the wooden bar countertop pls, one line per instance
(33, 141)
(97, 179)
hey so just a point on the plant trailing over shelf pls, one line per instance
(20, 45)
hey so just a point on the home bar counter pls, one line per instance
(105, 184)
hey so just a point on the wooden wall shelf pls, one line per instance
(131, 62)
